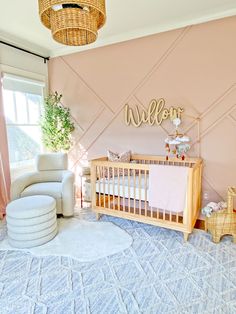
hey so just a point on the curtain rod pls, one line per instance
(25, 50)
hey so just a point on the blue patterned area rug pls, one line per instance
(159, 273)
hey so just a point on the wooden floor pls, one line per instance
(200, 224)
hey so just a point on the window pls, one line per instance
(22, 99)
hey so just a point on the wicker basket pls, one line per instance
(223, 222)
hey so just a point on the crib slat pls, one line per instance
(134, 187)
(129, 191)
(118, 189)
(103, 179)
(99, 186)
(113, 188)
(139, 184)
(145, 187)
(109, 193)
(123, 187)
(158, 214)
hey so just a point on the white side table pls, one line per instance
(85, 186)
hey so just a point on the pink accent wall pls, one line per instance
(193, 67)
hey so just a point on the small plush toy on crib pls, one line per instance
(213, 207)
(177, 143)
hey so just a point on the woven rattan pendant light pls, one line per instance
(73, 22)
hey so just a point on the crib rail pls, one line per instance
(121, 189)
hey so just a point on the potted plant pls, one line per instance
(56, 124)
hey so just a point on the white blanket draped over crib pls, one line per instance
(167, 187)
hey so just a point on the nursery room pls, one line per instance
(117, 157)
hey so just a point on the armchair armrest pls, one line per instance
(21, 183)
(68, 193)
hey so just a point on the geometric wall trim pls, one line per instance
(193, 67)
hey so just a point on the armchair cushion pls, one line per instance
(55, 161)
(53, 189)
(45, 188)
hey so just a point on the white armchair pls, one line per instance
(51, 178)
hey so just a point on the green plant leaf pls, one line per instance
(56, 124)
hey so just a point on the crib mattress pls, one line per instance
(121, 187)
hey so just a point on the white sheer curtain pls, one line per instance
(4, 160)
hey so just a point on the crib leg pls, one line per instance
(186, 234)
(234, 238)
(98, 216)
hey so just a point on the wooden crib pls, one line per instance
(121, 190)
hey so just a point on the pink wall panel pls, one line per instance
(114, 71)
(193, 67)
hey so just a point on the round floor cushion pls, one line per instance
(23, 230)
(31, 221)
(30, 206)
(32, 243)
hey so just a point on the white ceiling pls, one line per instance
(126, 19)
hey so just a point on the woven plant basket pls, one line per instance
(223, 222)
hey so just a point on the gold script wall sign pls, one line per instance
(155, 114)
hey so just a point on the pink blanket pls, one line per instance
(168, 187)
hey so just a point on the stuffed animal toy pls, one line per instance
(222, 205)
(207, 211)
(213, 207)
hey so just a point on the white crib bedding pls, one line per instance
(122, 189)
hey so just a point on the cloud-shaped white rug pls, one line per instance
(83, 240)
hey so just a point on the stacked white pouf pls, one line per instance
(31, 221)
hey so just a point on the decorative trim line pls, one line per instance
(212, 106)
(232, 118)
(157, 64)
(90, 125)
(211, 185)
(87, 85)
